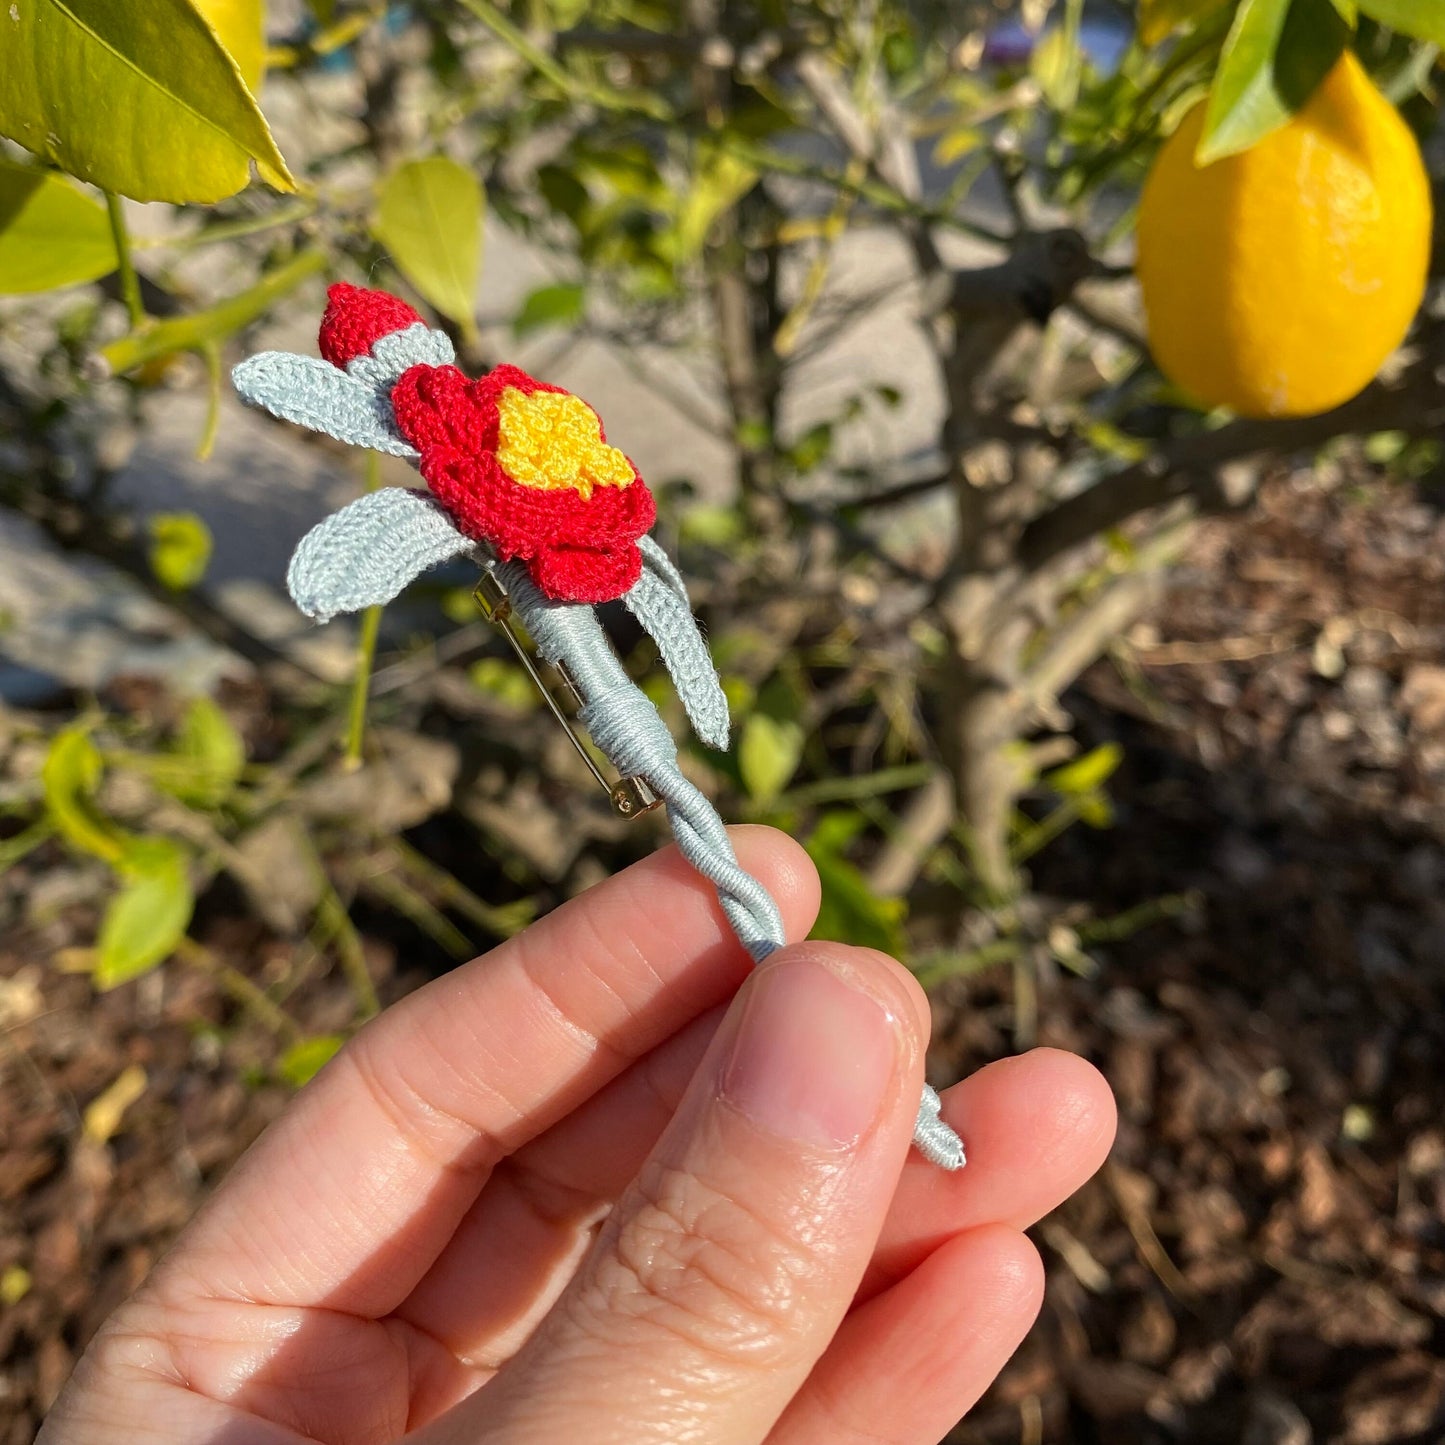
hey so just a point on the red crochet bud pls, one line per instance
(357, 318)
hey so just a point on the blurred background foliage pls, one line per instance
(901, 574)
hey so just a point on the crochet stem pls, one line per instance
(627, 728)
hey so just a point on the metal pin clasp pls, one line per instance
(630, 797)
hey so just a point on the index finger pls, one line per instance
(351, 1195)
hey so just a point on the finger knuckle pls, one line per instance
(693, 1264)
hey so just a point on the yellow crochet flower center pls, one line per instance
(552, 439)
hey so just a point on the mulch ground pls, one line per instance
(1263, 1260)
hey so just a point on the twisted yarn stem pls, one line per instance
(627, 728)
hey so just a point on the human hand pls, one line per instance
(570, 1192)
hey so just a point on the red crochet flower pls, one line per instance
(520, 465)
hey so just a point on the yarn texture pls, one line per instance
(526, 468)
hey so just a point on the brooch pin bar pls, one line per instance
(630, 797)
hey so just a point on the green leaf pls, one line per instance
(850, 911)
(1159, 19)
(240, 26)
(505, 681)
(1424, 19)
(148, 917)
(180, 549)
(954, 144)
(140, 99)
(302, 1062)
(51, 233)
(1088, 773)
(564, 304)
(196, 331)
(429, 216)
(769, 752)
(721, 180)
(70, 775)
(1276, 53)
(212, 745)
(1056, 62)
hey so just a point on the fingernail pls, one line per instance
(813, 1057)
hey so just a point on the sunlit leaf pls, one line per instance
(1276, 53)
(15, 1284)
(137, 98)
(505, 681)
(769, 752)
(1088, 773)
(1424, 19)
(850, 911)
(51, 233)
(1159, 19)
(953, 145)
(103, 1115)
(216, 323)
(148, 917)
(212, 745)
(180, 549)
(564, 304)
(429, 217)
(302, 1062)
(720, 181)
(1055, 66)
(240, 26)
(70, 775)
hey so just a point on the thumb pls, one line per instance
(726, 1267)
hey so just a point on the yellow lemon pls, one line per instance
(1276, 281)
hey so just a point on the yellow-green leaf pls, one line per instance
(1424, 19)
(1276, 53)
(104, 1113)
(849, 910)
(302, 1062)
(148, 917)
(1159, 19)
(200, 328)
(180, 549)
(1088, 773)
(561, 305)
(51, 233)
(769, 751)
(214, 748)
(139, 98)
(954, 144)
(70, 775)
(721, 180)
(15, 1284)
(429, 216)
(240, 26)
(504, 681)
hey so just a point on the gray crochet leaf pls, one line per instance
(655, 558)
(415, 345)
(366, 553)
(315, 394)
(657, 603)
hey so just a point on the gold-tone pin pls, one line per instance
(630, 797)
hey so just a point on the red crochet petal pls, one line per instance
(581, 574)
(439, 405)
(499, 378)
(356, 317)
(579, 549)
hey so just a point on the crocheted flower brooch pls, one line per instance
(518, 470)
(523, 479)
